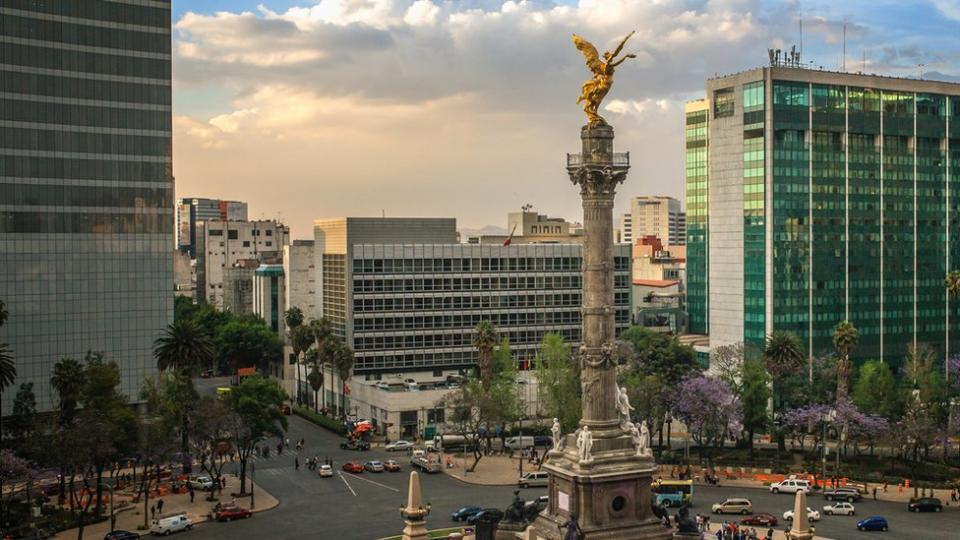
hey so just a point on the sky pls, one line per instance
(321, 108)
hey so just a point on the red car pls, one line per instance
(228, 513)
(761, 519)
(353, 466)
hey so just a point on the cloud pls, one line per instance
(949, 8)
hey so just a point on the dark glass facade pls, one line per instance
(86, 185)
(697, 237)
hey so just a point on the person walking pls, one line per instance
(160, 506)
(190, 491)
(874, 492)
(770, 533)
(153, 512)
(296, 462)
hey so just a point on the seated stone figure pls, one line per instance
(684, 523)
(514, 513)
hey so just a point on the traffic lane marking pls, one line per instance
(347, 483)
(372, 482)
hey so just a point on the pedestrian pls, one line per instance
(770, 533)
(279, 448)
(296, 462)
(885, 486)
(153, 512)
(720, 534)
(191, 494)
(160, 506)
(953, 496)
(287, 441)
(874, 492)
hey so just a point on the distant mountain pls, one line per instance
(488, 230)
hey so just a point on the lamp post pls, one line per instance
(253, 489)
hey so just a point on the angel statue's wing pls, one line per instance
(589, 52)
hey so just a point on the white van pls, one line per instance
(171, 524)
(534, 479)
(519, 443)
(790, 485)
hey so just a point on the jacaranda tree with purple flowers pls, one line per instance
(709, 409)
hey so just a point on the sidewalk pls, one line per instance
(130, 517)
(777, 534)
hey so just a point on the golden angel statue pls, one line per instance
(594, 90)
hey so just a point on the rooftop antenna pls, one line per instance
(864, 66)
(383, 212)
(527, 207)
(801, 33)
(843, 64)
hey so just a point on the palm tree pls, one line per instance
(315, 377)
(343, 360)
(952, 283)
(301, 338)
(8, 368)
(484, 340)
(67, 381)
(845, 339)
(325, 340)
(184, 346)
(783, 353)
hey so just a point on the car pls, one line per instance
(353, 467)
(201, 482)
(121, 535)
(230, 513)
(373, 466)
(391, 465)
(493, 513)
(925, 504)
(873, 523)
(542, 440)
(734, 506)
(762, 519)
(411, 385)
(534, 479)
(849, 494)
(171, 524)
(398, 446)
(465, 512)
(355, 444)
(790, 485)
(325, 471)
(839, 509)
(812, 515)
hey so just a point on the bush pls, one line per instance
(332, 424)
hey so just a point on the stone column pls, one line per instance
(598, 171)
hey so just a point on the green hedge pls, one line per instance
(332, 424)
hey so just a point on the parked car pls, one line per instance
(353, 466)
(373, 466)
(493, 513)
(519, 443)
(355, 444)
(873, 523)
(391, 465)
(171, 524)
(733, 506)
(230, 513)
(465, 512)
(382, 385)
(121, 535)
(543, 440)
(398, 446)
(791, 485)
(849, 494)
(534, 479)
(925, 504)
(201, 482)
(812, 515)
(762, 519)
(325, 471)
(839, 509)
(411, 385)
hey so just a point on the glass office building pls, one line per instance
(831, 196)
(86, 184)
(697, 235)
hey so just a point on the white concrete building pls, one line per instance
(221, 243)
(655, 215)
(299, 272)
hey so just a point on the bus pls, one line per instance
(673, 492)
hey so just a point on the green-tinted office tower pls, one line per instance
(86, 185)
(827, 196)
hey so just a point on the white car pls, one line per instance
(839, 509)
(812, 515)
(382, 385)
(325, 470)
(201, 482)
(172, 524)
(398, 446)
(411, 385)
(790, 486)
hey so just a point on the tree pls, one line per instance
(247, 344)
(13, 469)
(477, 409)
(709, 409)
(558, 386)
(952, 283)
(484, 340)
(875, 390)
(210, 438)
(301, 338)
(172, 399)
(784, 356)
(67, 380)
(154, 447)
(254, 407)
(343, 360)
(184, 346)
(315, 380)
(293, 317)
(326, 342)
(753, 391)
(8, 368)
(845, 339)
(23, 421)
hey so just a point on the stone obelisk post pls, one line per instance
(607, 488)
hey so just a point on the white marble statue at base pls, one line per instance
(623, 406)
(557, 435)
(635, 435)
(643, 449)
(585, 444)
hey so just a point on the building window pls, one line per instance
(246, 243)
(269, 232)
(232, 234)
(216, 232)
(723, 103)
(435, 416)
